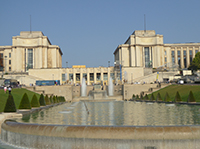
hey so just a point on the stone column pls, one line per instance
(182, 58)
(81, 76)
(33, 57)
(193, 52)
(74, 76)
(188, 57)
(132, 56)
(95, 76)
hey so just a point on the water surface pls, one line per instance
(117, 113)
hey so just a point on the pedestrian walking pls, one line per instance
(9, 89)
(5, 89)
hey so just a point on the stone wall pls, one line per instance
(130, 89)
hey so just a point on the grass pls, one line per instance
(183, 90)
(17, 95)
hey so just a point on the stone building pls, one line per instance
(144, 50)
(30, 50)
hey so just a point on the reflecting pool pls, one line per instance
(117, 113)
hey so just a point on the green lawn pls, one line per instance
(182, 89)
(17, 95)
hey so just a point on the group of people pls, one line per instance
(7, 88)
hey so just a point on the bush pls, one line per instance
(133, 97)
(34, 101)
(152, 97)
(137, 97)
(191, 97)
(54, 99)
(51, 99)
(47, 101)
(10, 104)
(146, 97)
(42, 101)
(25, 103)
(177, 97)
(62, 99)
(167, 98)
(158, 98)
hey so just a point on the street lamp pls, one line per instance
(108, 63)
(66, 64)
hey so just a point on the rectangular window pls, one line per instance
(1, 61)
(165, 59)
(165, 52)
(9, 62)
(196, 51)
(91, 76)
(9, 68)
(63, 77)
(147, 57)
(98, 76)
(30, 59)
(173, 59)
(179, 57)
(70, 76)
(105, 76)
(190, 56)
(184, 58)
(77, 76)
(9, 55)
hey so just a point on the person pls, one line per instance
(9, 89)
(5, 89)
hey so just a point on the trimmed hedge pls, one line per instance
(158, 98)
(191, 97)
(25, 103)
(146, 97)
(42, 101)
(47, 101)
(177, 97)
(10, 104)
(167, 98)
(35, 101)
(152, 97)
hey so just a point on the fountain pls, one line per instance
(83, 88)
(97, 93)
(110, 87)
(109, 125)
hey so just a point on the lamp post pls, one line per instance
(108, 63)
(66, 64)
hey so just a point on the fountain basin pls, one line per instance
(62, 136)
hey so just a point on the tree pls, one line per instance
(191, 97)
(25, 103)
(195, 65)
(47, 101)
(167, 98)
(158, 98)
(177, 97)
(10, 104)
(152, 97)
(35, 102)
(42, 101)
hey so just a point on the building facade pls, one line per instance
(75, 75)
(145, 49)
(29, 50)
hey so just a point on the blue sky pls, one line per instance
(88, 31)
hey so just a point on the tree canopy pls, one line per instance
(195, 65)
